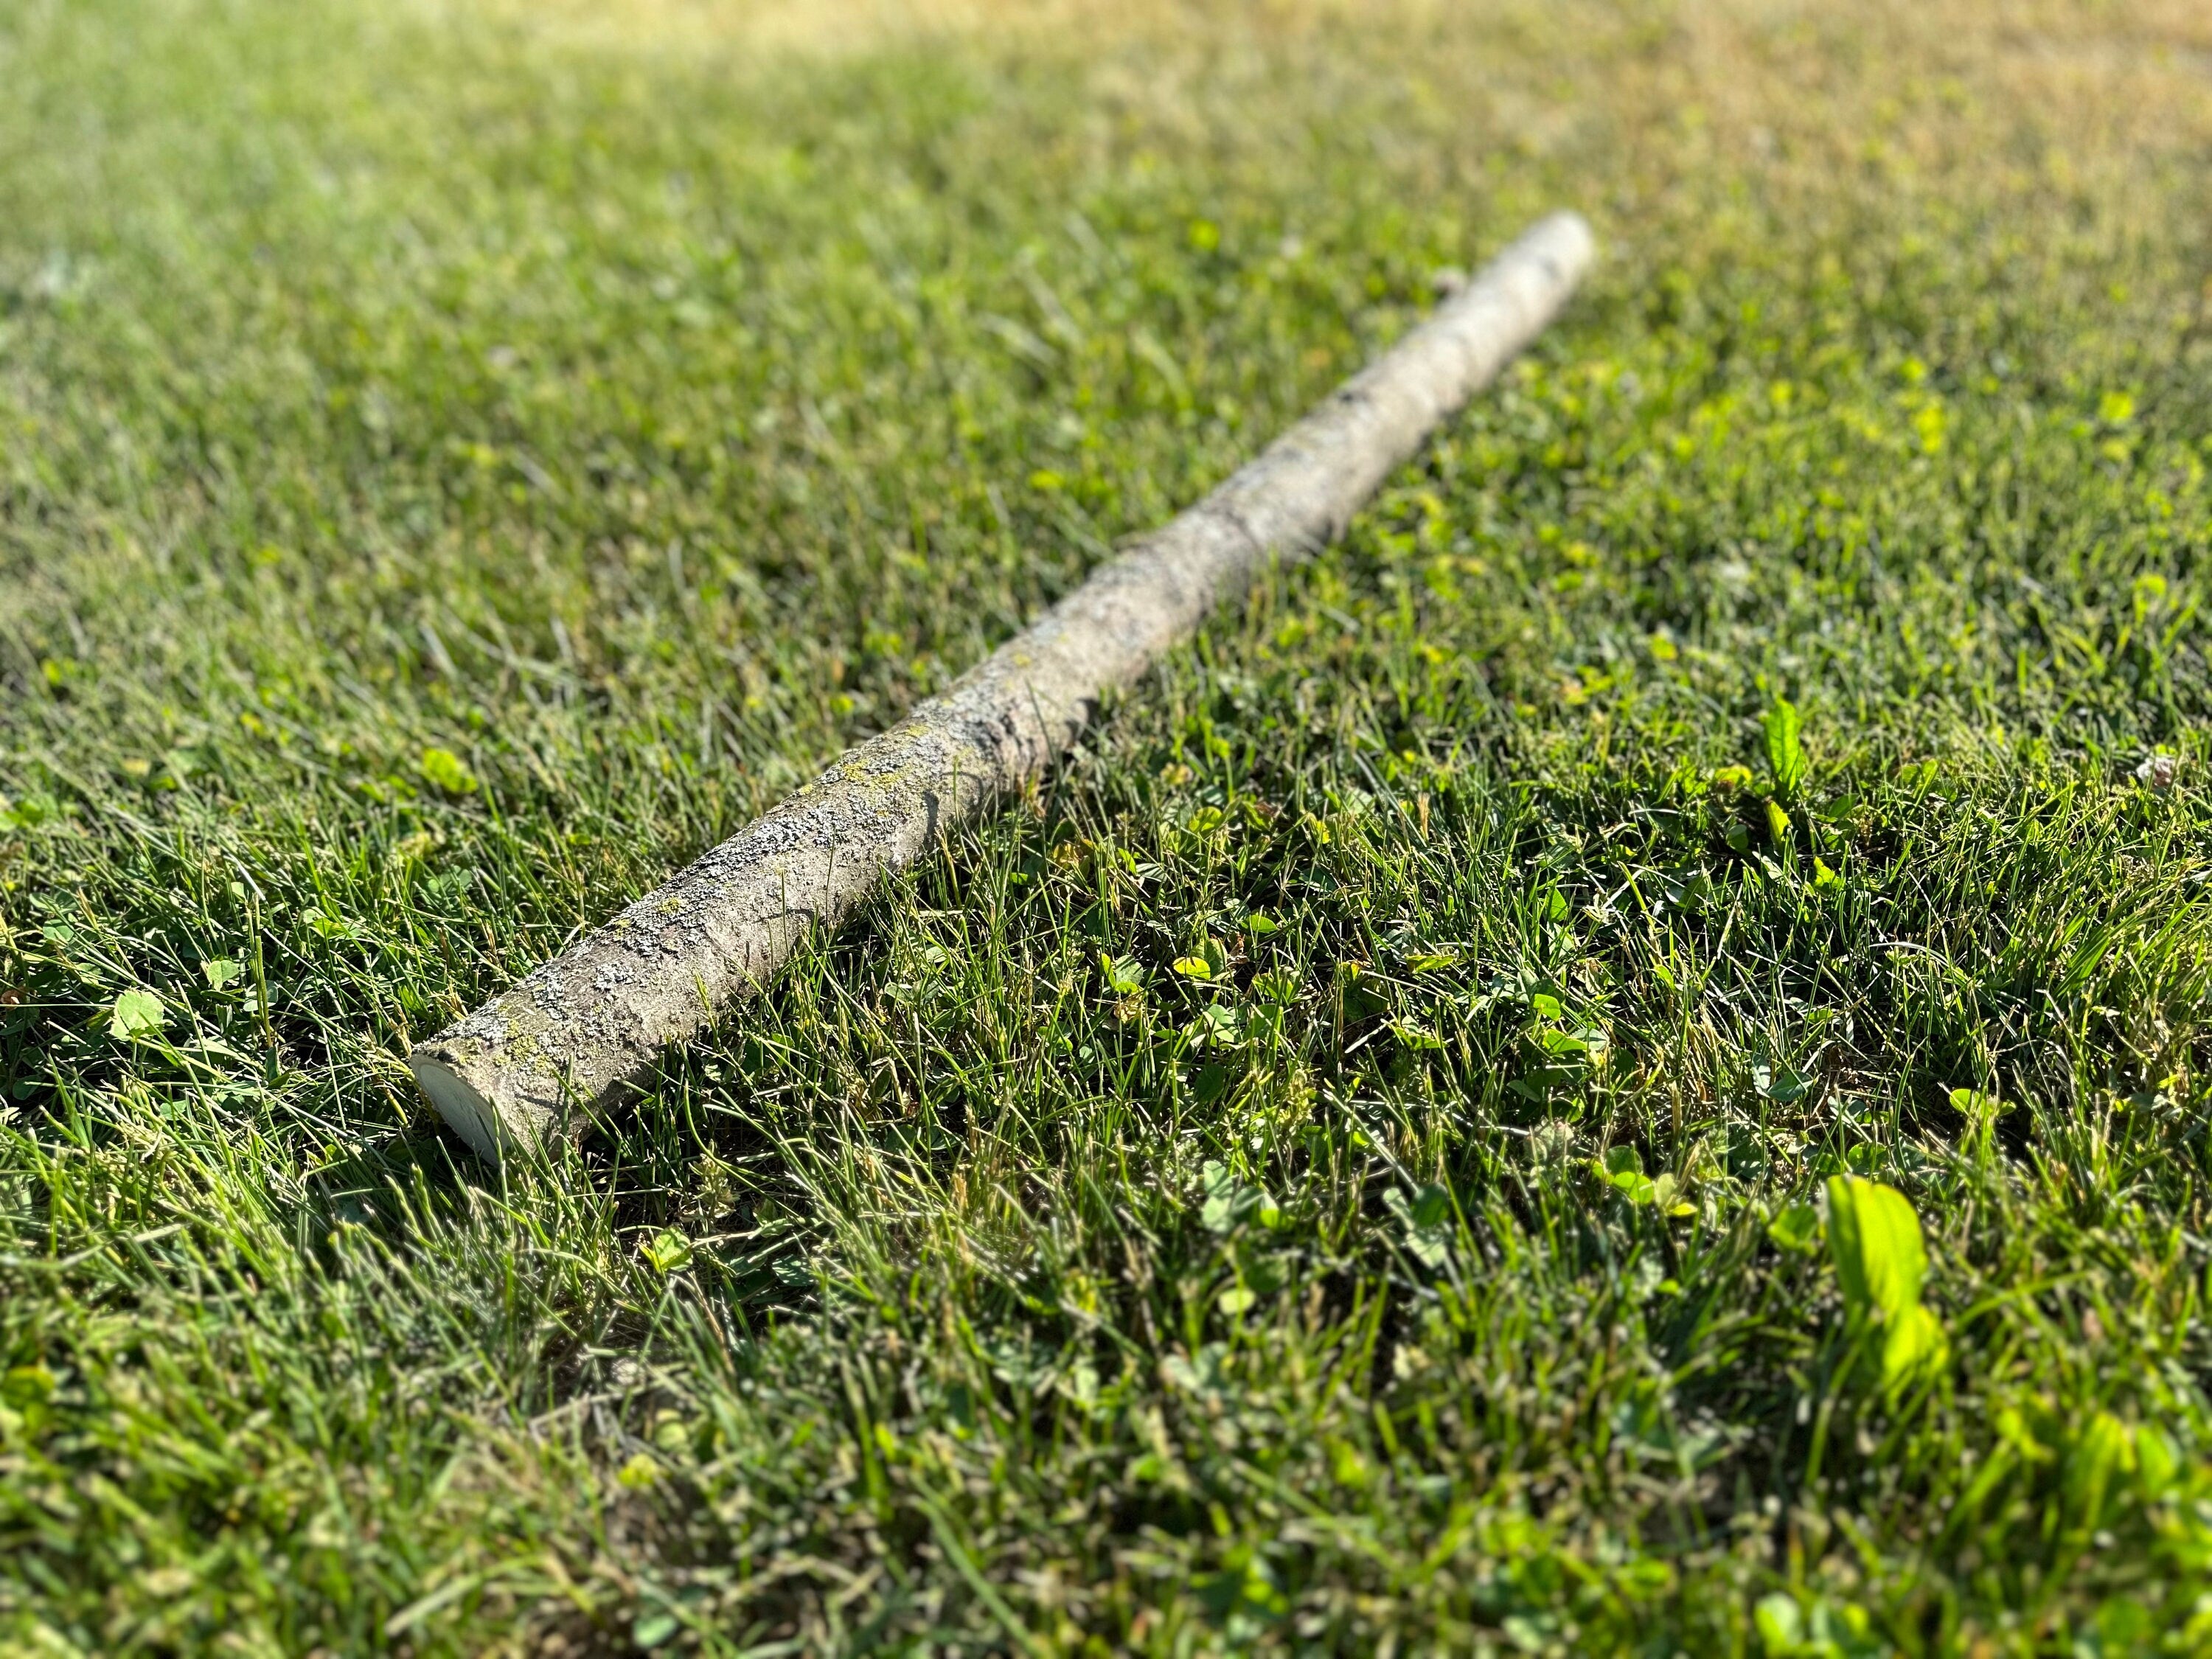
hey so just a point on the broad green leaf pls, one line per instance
(1689, 891)
(1431, 1205)
(1193, 967)
(1427, 1220)
(2019, 1429)
(1913, 1342)
(137, 1014)
(2157, 1462)
(669, 1252)
(220, 971)
(1124, 977)
(1227, 1199)
(2101, 1452)
(1218, 1026)
(1346, 1465)
(2124, 1624)
(1797, 1228)
(1980, 1111)
(442, 769)
(1785, 756)
(25, 1386)
(1624, 1169)
(1874, 1237)
(1431, 1248)
(1781, 1624)
(1783, 1085)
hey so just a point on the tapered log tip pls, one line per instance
(467, 1113)
(1567, 236)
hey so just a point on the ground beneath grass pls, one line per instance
(1619, 1065)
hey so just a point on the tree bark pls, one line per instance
(568, 1042)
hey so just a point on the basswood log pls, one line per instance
(567, 1041)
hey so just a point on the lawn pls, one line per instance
(1620, 1063)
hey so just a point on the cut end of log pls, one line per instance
(467, 1113)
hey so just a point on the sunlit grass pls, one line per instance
(1347, 1163)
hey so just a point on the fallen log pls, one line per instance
(570, 1038)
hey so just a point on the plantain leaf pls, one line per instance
(1785, 755)
(1913, 1342)
(1875, 1239)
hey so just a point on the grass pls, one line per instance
(1354, 1164)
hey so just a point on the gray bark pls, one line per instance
(566, 1041)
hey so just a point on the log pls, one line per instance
(571, 1040)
